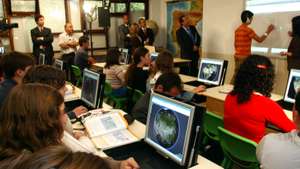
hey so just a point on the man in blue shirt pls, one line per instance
(15, 66)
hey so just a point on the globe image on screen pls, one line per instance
(210, 72)
(166, 128)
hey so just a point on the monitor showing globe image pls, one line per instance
(293, 86)
(168, 126)
(210, 71)
(90, 85)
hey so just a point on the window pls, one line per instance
(118, 8)
(137, 6)
(269, 6)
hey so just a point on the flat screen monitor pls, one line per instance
(42, 58)
(211, 71)
(169, 127)
(2, 50)
(59, 64)
(124, 59)
(90, 87)
(153, 56)
(293, 86)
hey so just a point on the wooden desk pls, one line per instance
(180, 60)
(73, 93)
(186, 78)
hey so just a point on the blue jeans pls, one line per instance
(122, 91)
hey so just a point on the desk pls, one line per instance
(186, 78)
(73, 93)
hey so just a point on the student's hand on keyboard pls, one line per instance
(130, 163)
(80, 110)
(199, 89)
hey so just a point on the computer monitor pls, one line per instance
(212, 71)
(124, 59)
(59, 64)
(42, 58)
(2, 50)
(171, 130)
(292, 86)
(153, 56)
(92, 88)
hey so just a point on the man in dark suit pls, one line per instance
(145, 33)
(189, 42)
(124, 33)
(42, 39)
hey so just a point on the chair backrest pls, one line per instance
(76, 71)
(107, 89)
(237, 148)
(136, 96)
(211, 122)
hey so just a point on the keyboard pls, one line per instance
(197, 83)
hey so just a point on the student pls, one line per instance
(68, 44)
(136, 76)
(42, 39)
(247, 107)
(164, 63)
(123, 33)
(60, 157)
(293, 53)
(115, 73)
(243, 39)
(42, 127)
(189, 41)
(169, 84)
(15, 66)
(54, 77)
(145, 33)
(82, 59)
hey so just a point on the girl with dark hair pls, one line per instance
(136, 76)
(248, 107)
(293, 53)
(115, 73)
(36, 121)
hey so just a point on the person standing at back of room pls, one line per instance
(42, 39)
(68, 44)
(189, 42)
(243, 36)
(293, 53)
(123, 41)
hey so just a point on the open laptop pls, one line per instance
(291, 90)
(124, 59)
(172, 136)
(92, 91)
(211, 73)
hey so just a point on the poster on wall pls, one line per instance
(175, 9)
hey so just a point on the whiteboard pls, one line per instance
(279, 37)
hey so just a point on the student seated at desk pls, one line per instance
(169, 84)
(281, 150)
(248, 106)
(82, 59)
(136, 76)
(15, 66)
(32, 118)
(55, 78)
(58, 157)
(115, 72)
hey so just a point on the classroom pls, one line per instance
(149, 84)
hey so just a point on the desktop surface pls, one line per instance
(146, 156)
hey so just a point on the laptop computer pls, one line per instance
(172, 136)
(124, 59)
(291, 90)
(211, 73)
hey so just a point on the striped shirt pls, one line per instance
(115, 75)
(242, 40)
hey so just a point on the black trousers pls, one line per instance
(68, 59)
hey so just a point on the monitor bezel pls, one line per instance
(215, 61)
(155, 54)
(97, 75)
(159, 148)
(42, 58)
(60, 63)
(124, 50)
(291, 74)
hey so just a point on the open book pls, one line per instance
(108, 130)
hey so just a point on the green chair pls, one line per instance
(136, 96)
(237, 150)
(117, 102)
(76, 72)
(211, 122)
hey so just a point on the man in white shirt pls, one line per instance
(68, 43)
(281, 150)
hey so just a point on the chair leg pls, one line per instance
(226, 163)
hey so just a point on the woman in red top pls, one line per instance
(248, 107)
